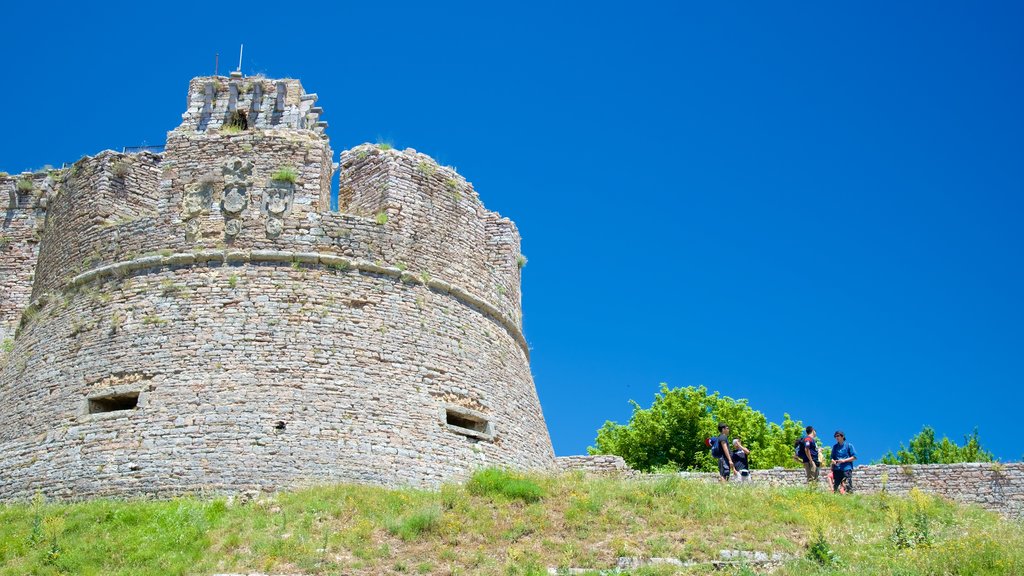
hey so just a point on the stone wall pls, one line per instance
(22, 226)
(214, 101)
(201, 320)
(995, 486)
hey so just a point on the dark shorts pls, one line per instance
(723, 467)
(842, 478)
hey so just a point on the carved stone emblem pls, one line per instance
(278, 197)
(196, 199)
(235, 198)
(233, 227)
(274, 227)
(237, 173)
(237, 170)
(192, 229)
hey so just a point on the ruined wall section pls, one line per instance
(205, 191)
(228, 189)
(24, 199)
(99, 205)
(263, 104)
(438, 224)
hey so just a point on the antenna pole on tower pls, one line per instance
(240, 47)
(216, 63)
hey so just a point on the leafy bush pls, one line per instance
(671, 433)
(505, 484)
(924, 449)
(285, 174)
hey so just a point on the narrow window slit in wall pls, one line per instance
(113, 402)
(468, 422)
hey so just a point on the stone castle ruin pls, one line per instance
(201, 319)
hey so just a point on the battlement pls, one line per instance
(181, 320)
(218, 102)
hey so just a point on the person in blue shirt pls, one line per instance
(843, 456)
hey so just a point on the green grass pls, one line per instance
(285, 174)
(505, 484)
(503, 523)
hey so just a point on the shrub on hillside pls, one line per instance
(505, 484)
(671, 433)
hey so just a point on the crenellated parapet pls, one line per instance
(218, 102)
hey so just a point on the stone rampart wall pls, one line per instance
(260, 375)
(23, 218)
(995, 486)
(439, 224)
(95, 205)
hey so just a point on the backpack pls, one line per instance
(716, 448)
(799, 446)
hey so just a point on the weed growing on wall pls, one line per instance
(426, 169)
(285, 174)
(120, 169)
(381, 218)
(25, 185)
(521, 261)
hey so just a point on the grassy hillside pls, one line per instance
(505, 524)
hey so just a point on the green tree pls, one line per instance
(924, 449)
(671, 433)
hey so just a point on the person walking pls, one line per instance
(807, 452)
(843, 455)
(740, 458)
(725, 463)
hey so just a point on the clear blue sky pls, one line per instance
(815, 206)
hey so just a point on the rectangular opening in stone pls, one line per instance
(466, 421)
(113, 403)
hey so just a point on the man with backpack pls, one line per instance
(807, 452)
(720, 450)
(843, 456)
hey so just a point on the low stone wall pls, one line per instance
(994, 486)
(602, 464)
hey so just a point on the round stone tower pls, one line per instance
(201, 319)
